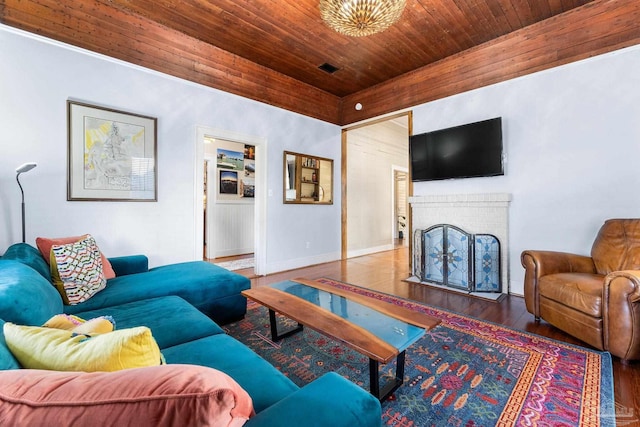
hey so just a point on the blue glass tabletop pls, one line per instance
(393, 331)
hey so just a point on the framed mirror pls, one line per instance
(307, 179)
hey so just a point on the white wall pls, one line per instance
(572, 139)
(372, 152)
(38, 76)
(572, 142)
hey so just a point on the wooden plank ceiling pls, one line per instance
(270, 50)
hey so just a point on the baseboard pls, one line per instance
(293, 264)
(232, 252)
(369, 251)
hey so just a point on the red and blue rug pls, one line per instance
(464, 373)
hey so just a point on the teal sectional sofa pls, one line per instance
(179, 304)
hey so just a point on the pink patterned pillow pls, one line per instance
(76, 270)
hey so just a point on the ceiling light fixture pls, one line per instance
(359, 18)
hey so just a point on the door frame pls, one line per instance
(394, 214)
(343, 174)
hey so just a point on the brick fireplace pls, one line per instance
(486, 213)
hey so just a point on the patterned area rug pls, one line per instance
(464, 373)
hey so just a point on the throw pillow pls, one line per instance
(68, 322)
(44, 246)
(56, 349)
(171, 395)
(76, 270)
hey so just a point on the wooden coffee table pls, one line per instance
(379, 330)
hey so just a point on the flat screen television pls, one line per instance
(466, 151)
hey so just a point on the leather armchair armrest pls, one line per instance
(621, 314)
(542, 263)
(550, 262)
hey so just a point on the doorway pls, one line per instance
(229, 207)
(231, 201)
(371, 154)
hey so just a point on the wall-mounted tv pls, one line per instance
(467, 151)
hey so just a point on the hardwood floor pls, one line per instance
(385, 272)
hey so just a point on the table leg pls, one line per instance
(274, 328)
(391, 385)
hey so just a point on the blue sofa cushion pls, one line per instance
(129, 264)
(211, 289)
(26, 298)
(7, 361)
(309, 406)
(30, 256)
(171, 319)
(264, 383)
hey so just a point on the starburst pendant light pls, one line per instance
(359, 18)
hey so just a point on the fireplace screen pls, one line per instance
(449, 256)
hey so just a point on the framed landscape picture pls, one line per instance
(228, 182)
(112, 154)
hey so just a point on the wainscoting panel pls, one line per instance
(233, 229)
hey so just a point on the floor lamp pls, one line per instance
(22, 169)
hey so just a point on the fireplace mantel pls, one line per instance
(488, 199)
(484, 213)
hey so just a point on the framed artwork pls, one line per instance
(236, 165)
(229, 159)
(247, 184)
(112, 155)
(228, 182)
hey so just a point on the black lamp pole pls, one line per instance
(21, 169)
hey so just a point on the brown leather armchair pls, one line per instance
(596, 299)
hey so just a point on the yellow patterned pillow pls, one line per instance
(68, 322)
(59, 350)
(76, 270)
